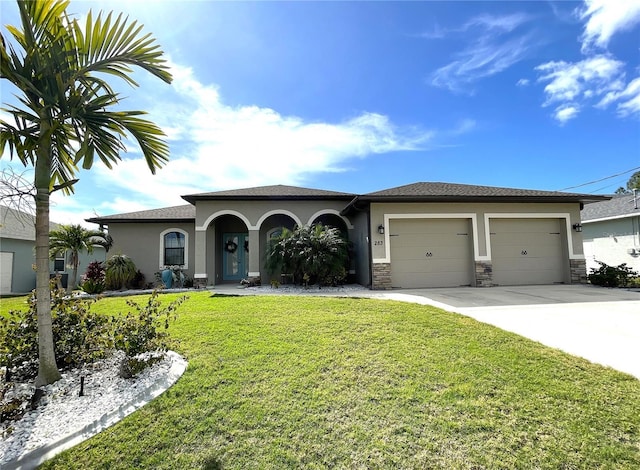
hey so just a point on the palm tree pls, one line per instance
(66, 115)
(310, 253)
(75, 239)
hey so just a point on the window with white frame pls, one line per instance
(59, 262)
(174, 244)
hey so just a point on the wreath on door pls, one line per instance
(230, 246)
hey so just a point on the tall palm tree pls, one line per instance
(66, 115)
(75, 239)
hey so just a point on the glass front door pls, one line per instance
(235, 250)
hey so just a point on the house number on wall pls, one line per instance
(429, 254)
(378, 242)
(523, 252)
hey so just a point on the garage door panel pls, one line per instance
(527, 251)
(422, 280)
(434, 265)
(430, 253)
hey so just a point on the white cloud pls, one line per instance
(605, 18)
(523, 82)
(566, 112)
(490, 51)
(628, 99)
(569, 83)
(217, 146)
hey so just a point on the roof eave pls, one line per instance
(555, 199)
(106, 221)
(195, 197)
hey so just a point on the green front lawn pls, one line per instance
(308, 382)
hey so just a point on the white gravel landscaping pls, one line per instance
(62, 418)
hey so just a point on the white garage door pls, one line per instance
(6, 272)
(431, 253)
(527, 251)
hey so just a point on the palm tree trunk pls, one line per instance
(47, 368)
(75, 261)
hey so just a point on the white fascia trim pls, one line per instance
(215, 215)
(332, 212)
(186, 247)
(614, 217)
(530, 215)
(387, 234)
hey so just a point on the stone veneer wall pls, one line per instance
(578, 271)
(200, 282)
(484, 274)
(381, 276)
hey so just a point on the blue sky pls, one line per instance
(362, 96)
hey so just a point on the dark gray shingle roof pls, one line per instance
(618, 206)
(275, 192)
(185, 213)
(19, 225)
(451, 191)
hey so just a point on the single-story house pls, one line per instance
(612, 232)
(412, 236)
(18, 255)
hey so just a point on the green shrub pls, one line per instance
(120, 272)
(611, 276)
(144, 332)
(80, 336)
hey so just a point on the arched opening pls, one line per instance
(271, 228)
(332, 220)
(229, 236)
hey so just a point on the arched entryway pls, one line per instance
(228, 235)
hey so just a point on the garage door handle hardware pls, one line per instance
(523, 252)
(429, 254)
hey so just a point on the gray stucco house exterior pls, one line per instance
(17, 253)
(413, 236)
(612, 232)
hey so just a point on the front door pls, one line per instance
(235, 255)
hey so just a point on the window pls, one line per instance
(59, 262)
(174, 243)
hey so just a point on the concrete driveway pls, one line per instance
(598, 324)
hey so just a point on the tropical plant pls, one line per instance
(311, 254)
(120, 270)
(66, 114)
(93, 281)
(74, 239)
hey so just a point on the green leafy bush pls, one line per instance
(312, 254)
(120, 272)
(80, 336)
(612, 276)
(144, 332)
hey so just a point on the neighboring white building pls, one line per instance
(611, 231)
